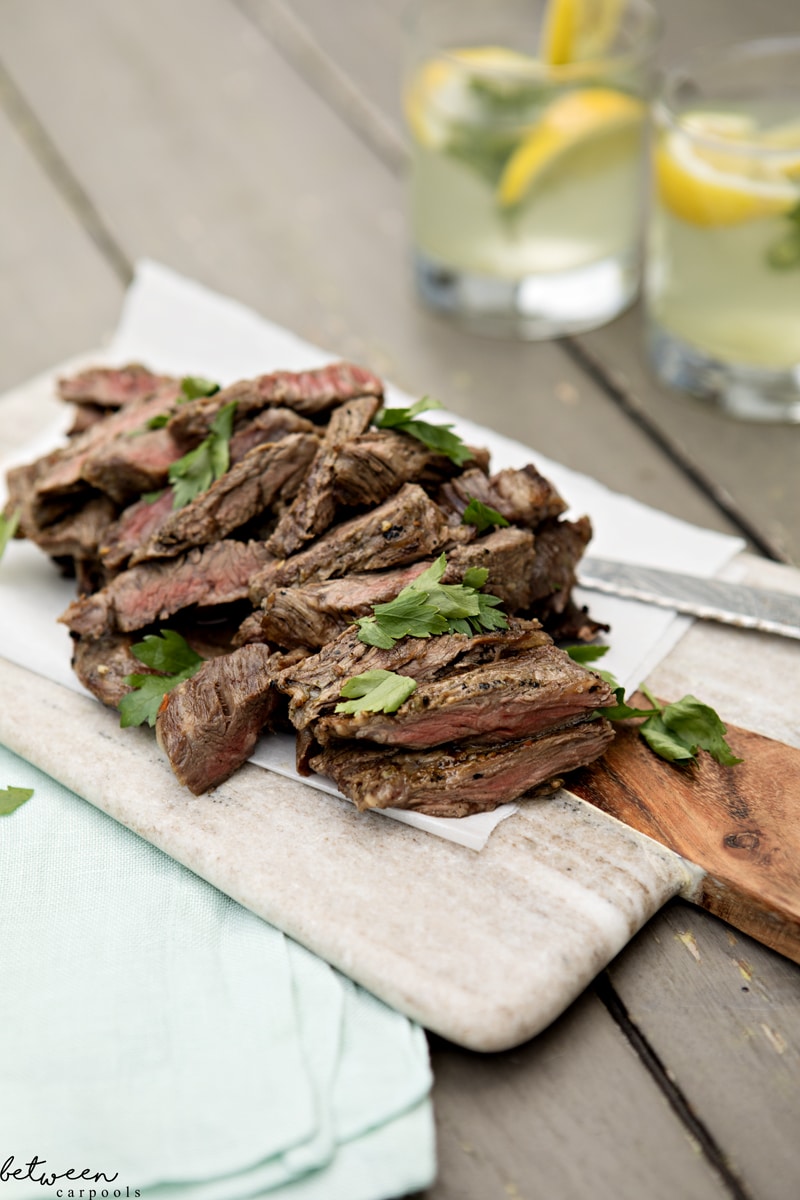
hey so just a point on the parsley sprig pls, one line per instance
(482, 516)
(192, 388)
(197, 470)
(174, 659)
(427, 606)
(436, 437)
(675, 732)
(376, 691)
(11, 798)
(8, 527)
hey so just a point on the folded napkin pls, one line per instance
(157, 1032)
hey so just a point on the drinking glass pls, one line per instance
(723, 274)
(527, 137)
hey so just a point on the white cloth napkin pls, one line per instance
(155, 1031)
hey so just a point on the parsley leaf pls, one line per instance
(435, 437)
(197, 470)
(168, 653)
(8, 527)
(194, 386)
(11, 798)
(158, 421)
(376, 691)
(675, 732)
(482, 516)
(427, 606)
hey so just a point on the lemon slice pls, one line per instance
(578, 30)
(440, 91)
(567, 121)
(785, 136)
(718, 185)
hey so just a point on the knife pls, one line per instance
(710, 599)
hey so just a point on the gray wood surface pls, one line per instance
(257, 146)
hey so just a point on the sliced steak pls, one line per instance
(310, 393)
(129, 466)
(133, 528)
(267, 474)
(313, 508)
(78, 535)
(217, 574)
(314, 685)
(314, 613)
(102, 664)
(523, 497)
(407, 527)
(559, 546)
(499, 702)
(209, 725)
(110, 387)
(268, 426)
(466, 779)
(378, 462)
(65, 474)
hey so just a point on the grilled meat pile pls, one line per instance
(318, 517)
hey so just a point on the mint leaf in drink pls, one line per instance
(784, 253)
(436, 437)
(376, 691)
(197, 470)
(426, 607)
(172, 656)
(194, 386)
(12, 798)
(482, 516)
(9, 524)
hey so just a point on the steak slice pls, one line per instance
(314, 506)
(314, 684)
(110, 387)
(465, 779)
(269, 473)
(523, 497)
(133, 528)
(498, 702)
(209, 725)
(407, 527)
(314, 613)
(559, 546)
(65, 473)
(129, 466)
(78, 535)
(377, 463)
(268, 426)
(217, 574)
(102, 664)
(310, 393)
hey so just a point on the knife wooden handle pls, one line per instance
(740, 825)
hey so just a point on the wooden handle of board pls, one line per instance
(740, 824)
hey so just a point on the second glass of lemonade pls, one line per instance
(723, 277)
(527, 124)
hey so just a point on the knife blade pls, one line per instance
(709, 599)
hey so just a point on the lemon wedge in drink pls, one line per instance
(578, 30)
(568, 121)
(720, 183)
(443, 89)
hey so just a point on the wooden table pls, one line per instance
(257, 145)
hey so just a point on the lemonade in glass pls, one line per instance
(723, 277)
(527, 126)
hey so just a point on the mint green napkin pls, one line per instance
(154, 1030)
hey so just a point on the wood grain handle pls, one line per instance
(740, 825)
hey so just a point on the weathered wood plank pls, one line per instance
(501, 1135)
(723, 1014)
(752, 468)
(59, 294)
(250, 183)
